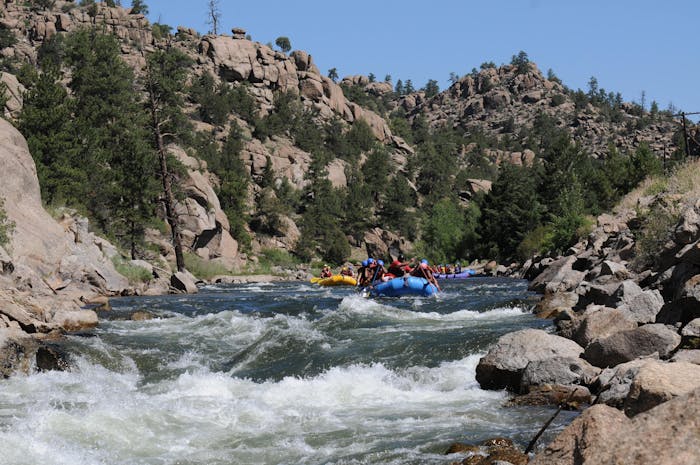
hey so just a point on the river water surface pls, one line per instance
(283, 373)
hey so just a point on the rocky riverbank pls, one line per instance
(626, 310)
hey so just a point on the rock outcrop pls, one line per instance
(50, 268)
(496, 99)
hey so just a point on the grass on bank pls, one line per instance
(135, 274)
(204, 269)
(658, 202)
(269, 258)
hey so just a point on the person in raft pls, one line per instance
(361, 271)
(345, 271)
(422, 270)
(326, 272)
(365, 273)
(398, 267)
(380, 272)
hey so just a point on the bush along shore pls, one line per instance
(626, 309)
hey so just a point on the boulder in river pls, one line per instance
(184, 282)
(503, 365)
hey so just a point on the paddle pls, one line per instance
(434, 281)
(315, 280)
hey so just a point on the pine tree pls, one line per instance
(213, 15)
(444, 230)
(234, 180)
(164, 78)
(46, 123)
(509, 211)
(358, 203)
(320, 224)
(376, 172)
(399, 198)
(113, 144)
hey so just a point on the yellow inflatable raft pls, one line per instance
(335, 280)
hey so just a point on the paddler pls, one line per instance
(326, 272)
(422, 270)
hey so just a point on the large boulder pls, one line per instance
(14, 92)
(613, 384)
(503, 365)
(627, 345)
(668, 434)
(688, 227)
(38, 241)
(554, 303)
(40, 246)
(656, 382)
(382, 244)
(687, 355)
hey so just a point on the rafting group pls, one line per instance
(399, 278)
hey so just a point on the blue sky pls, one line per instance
(630, 46)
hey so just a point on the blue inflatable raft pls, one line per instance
(461, 275)
(399, 287)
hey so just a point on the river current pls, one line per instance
(280, 373)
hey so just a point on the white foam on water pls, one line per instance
(93, 415)
(356, 305)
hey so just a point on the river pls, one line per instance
(280, 373)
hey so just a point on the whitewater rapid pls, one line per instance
(268, 375)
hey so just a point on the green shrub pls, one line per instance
(535, 242)
(43, 4)
(557, 100)
(135, 274)
(161, 31)
(656, 230)
(656, 186)
(7, 38)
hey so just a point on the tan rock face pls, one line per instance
(204, 224)
(243, 60)
(38, 240)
